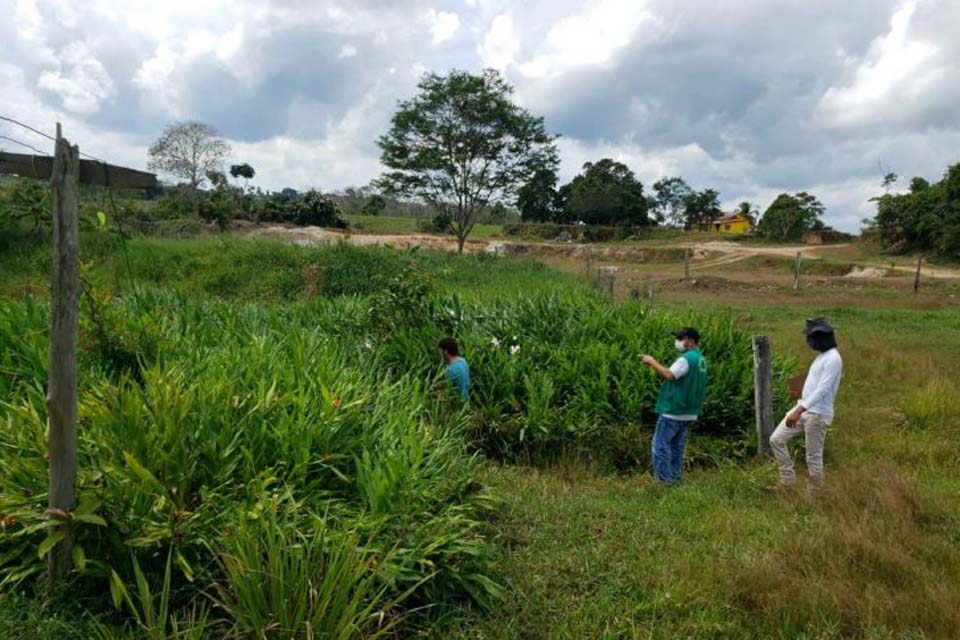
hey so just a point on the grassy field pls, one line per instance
(262, 270)
(591, 555)
(587, 553)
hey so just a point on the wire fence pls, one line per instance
(40, 133)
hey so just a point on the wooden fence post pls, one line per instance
(916, 277)
(763, 393)
(649, 298)
(686, 265)
(62, 384)
(604, 280)
(796, 274)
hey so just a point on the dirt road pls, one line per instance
(320, 236)
(709, 254)
(734, 251)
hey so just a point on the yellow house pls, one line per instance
(734, 222)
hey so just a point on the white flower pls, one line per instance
(514, 349)
(495, 342)
(368, 344)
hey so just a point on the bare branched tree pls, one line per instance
(189, 151)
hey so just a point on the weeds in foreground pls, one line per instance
(870, 554)
(934, 406)
(281, 580)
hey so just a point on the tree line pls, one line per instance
(461, 145)
(924, 219)
(459, 152)
(608, 193)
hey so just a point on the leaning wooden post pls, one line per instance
(916, 277)
(796, 274)
(649, 298)
(62, 382)
(763, 393)
(686, 264)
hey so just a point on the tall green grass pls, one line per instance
(268, 270)
(244, 450)
(236, 411)
(935, 405)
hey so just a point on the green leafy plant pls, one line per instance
(281, 583)
(152, 615)
(301, 446)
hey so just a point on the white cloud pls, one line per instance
(671, 87)
(893, 77)
(160, 77)
(20, 103)
(501, 43)
(79, 79)
(27, 17)
(649, 165)
(443, 25)
(588, 38)
(341, 156)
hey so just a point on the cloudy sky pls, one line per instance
(750, 97)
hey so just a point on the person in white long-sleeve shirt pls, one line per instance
(813, 413)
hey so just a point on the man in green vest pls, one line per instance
(681, 395)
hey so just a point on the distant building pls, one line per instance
(734, 222)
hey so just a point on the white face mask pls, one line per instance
(679, 345)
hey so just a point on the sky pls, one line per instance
(749, 97)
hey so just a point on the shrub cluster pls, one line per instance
(310, 208)
(437, 224)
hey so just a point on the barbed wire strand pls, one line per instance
(24, 144)
(114, 210)
(28, 127)
(36, 174)
(47, 136)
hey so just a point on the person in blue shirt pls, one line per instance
(457, 372)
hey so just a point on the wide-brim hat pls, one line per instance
(817, 325)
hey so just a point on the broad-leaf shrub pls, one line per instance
(237, 405)
(306, 442)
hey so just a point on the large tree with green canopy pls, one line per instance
(789, 217)
(462, 144)
(671, 198)
(537, 198)
(607, 193)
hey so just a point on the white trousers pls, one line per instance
(814, 429)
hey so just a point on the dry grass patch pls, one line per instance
(872, 552)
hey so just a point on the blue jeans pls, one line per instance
(668, 440)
